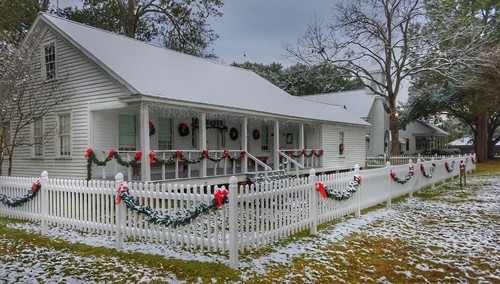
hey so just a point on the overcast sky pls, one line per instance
(258, 28)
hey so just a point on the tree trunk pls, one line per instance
(9, 171)
(394, 136)
(1, 163)
(481, 142)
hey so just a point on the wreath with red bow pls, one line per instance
(256, 134)
(152, 129)
(183, 130)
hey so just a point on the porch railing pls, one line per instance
(217, 164)
(381, 161)
(289, 163)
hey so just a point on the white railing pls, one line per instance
(256, 215)
(289, 163)
(381, 160)
(306, 160)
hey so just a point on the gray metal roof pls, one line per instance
(149, 70)
(358, 102)
(436, 130)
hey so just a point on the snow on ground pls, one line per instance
(454, 236)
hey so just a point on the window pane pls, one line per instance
(127, 132)
(265, 138)
(165, 139)
(64, 135)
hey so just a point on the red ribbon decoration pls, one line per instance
(446, 164)
(321, 188)
(291, 153)
(357, 178)
(111, 154)
(205, 154)
(422, 168)
(313, 151)
(412, 170)
(138, 155)
(152, 157)
(304, 151)
(226, 152)
(179, 155)
(322, 151)
(243, 154)
(393, 175)
(121, 189)
(35, 185)
(219, 195)
(434, 164)
(89, 150)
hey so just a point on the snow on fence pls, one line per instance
(257, 215)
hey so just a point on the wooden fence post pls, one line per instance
(233, 222)
(120, 215)
(313, 203)
(389, 199)
(358, 209)
(44, 181)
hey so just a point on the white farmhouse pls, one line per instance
(130, 96)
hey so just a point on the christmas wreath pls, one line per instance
(341, 149)
(256, 134)
(152, 129)
(233, 133)
(183, 130)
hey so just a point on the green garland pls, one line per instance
(340, 195)
(448, 167)
(431, 170)
(92, 159)
(405, 179)
(178, 218)
(307, 155)
(19, 201)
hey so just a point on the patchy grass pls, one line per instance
(490, 166)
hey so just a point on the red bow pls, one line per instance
(412, 169)
(446, 163)
(243, 154)
(111, 154)
(226, 152)
(151, 157)
(313, 151)
(321, 188)
(89, 150)
(35, 185)
(179, 155)
(304, 150)
(357, 178)
(205, 154)
(322, 151)
(291, 153)
(121, 189)
(393, 175)
(422, 168)
(138, 155)
(219, 195)
(434, 164)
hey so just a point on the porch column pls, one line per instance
(244, 144)
(276, 145)
(203, 143)
(145, 148)
(301, 142)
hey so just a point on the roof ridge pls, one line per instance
(45, 14)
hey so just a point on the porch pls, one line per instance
(184, 143)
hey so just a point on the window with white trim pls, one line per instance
(165, 133)
(265, 138)
(342, 143)
(64, 134)
(127, 125)
(49, 56)
(38, 137)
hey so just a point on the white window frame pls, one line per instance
(134, 133)
(38, 147)
(342, 139)
(169, 136)
(60, 136)
(264, 138)
(46, 64)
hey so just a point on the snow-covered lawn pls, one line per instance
(446, 234)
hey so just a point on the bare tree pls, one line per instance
(25, 98)
(367, 36)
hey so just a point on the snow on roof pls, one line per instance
(358, 102)
(434, 128)
(149, 70)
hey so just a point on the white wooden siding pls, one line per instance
(354, 147)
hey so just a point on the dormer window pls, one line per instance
(50, 61)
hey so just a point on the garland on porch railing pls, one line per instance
(411, 172)
(431, 170)
(92, 158)
(307, 155)
(19, 201)
(448, 167)
(340, 195)
(178, 218)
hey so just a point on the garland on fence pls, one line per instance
(448, 167)
(92, 158)
(272, 176)
(178, 218)
(340, 195)
(19, 201)
(431, 170)
(411, 172)
(307, 155)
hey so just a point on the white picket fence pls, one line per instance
(256, 216)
